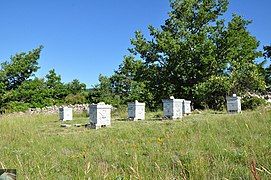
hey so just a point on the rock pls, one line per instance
(78, 108)
(196, 111)
(77, 125)
(65, 125)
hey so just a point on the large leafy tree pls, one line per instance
(31, 93)
(75, 86)
(20, 89)
(102, 92)
(55, 87)
(125, 85)
(195, 46)
(14, 72)
(21, 66)
(53, 80)
(129, 83)
(240, 51)
(77, 93)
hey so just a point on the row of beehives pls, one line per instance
(100, 114)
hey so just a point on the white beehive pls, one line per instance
(65, 114)
(173, 108)
(186, 107)
(136, 110)
(100, 114)
(233, 104)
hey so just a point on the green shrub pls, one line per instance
(252, 102)
(15, 106)
(211, 93)
(75, 99)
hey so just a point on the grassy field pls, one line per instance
(201, 146)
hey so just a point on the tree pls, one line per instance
(127, 84)
(32, 93)
(14, 73)
(19, 69)
(240, 51)
(267, 50)
(20, 89)
(52, 79)
(56, 88)
(75, 87)
(76, 91)
(267, 71)
(103, 92)
(125, 76)
(195, 46)
(78, 98)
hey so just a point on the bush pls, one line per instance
(15, 106)
(252, 102)
(211, 93)
(76, 99)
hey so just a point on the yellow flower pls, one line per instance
(160, 140)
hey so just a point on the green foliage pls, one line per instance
(195, 55)
(14, 73)
(55, 87)
(267, 50)
(240, 50)
(194, 47)
(252, 102)
(19, 69)
(127, 84)
(103, 93)
(212, 92)
(267, 74)
(79, 98)
(123, 78)
(182, 53)
(75, 87)
(19, 91)
(53, 80)
(15, 106)
(33, 92)
(267, 71)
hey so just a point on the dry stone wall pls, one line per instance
(77, 108)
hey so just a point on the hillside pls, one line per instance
(200, 146)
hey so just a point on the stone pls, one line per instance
(186, 107)
(65, 114)
(196, 111)
(136, 110)
(77, 125)
(100, 114)
(233, 104)
(173, 108)
(65, 125)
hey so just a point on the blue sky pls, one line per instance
(85, 38)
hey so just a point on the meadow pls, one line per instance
(209, 145)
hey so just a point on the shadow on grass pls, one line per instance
(121, 119)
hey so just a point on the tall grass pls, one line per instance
(201, 146)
